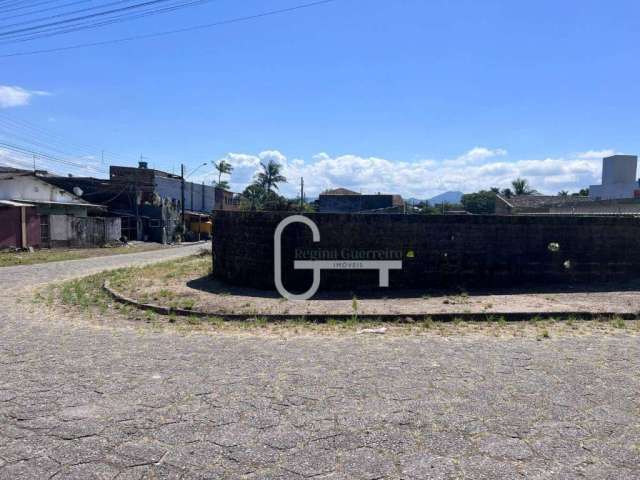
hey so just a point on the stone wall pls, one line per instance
(437, 251)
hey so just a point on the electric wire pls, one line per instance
(58, 15)
(60, 30)
(48, 9)
(220, 23)
(40, 154)
(84, 17)
(56, 138)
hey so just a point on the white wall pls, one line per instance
(59, 228)
(619, 169)
(71, 231)
(32, 188)
(619, 178)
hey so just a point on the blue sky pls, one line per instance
(413, 96)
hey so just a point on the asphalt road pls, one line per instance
(84, 402)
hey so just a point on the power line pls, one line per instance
(40, 154)
(27, 138)
(90, 24)
(48, 9)
(52, 137)
(18, 2)
(84, 17)
(172, 32)
(30, 144)
(58, 15)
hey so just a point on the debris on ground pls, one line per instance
(380, 330)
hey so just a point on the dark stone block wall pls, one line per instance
(437, 250)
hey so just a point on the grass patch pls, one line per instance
(87, 294)
(619, 322)
(149, 284)
(427, 323)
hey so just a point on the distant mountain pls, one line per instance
(446, 197)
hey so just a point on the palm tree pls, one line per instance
(521, 187)
(253, 196)
(223, 167)
(270, 175)
(563, 193)
(224, 185)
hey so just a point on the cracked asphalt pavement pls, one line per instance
(79, 401)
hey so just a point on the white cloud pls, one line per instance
(478, 168)
(596, 154)
(12, 96)
(476, 155)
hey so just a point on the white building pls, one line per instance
(56, 217)
(619, 179)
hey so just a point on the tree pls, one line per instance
(480, 203)
(584, 192)
(253, 197)
(521, 187)
(426, 208)
(563, 193)
(256, 197)
(270, 175)
(223, 167)
(223, 185)
(506, 193)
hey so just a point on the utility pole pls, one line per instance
(200, 216)
(191, 188)
(34, 163)
(301, 193)
(182, 192)
(135, 205)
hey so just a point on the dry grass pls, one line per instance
(187, 285)
(85, 299)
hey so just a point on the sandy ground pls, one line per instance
(210, 295)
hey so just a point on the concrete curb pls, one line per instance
(437, 317)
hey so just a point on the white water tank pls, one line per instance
(619, 178)
(619, 169)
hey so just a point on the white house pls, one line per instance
(57, 218)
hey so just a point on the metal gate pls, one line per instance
(45, 231)
(96, 233)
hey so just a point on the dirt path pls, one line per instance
(31, 275)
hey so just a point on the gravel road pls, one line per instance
(31, 275)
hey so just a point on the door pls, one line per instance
(45, 231)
